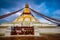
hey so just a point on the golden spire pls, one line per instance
(26, 17)
(26, 9)
(26, 6)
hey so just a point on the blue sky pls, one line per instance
(49, 8)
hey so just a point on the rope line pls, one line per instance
(9, 14)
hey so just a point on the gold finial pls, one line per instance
(26, 9)
(26, 6)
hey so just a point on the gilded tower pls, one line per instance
(26, 16)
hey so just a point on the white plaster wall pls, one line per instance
(2, 30)
(49, 30)
(8, 31)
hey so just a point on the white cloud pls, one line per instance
(18, 13)
(56, 14)
(12, 17)
(5, 11)
(42, 9)
(45, 21)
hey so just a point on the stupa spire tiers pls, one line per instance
(26, 9)
(26, 5)
(26, 16)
